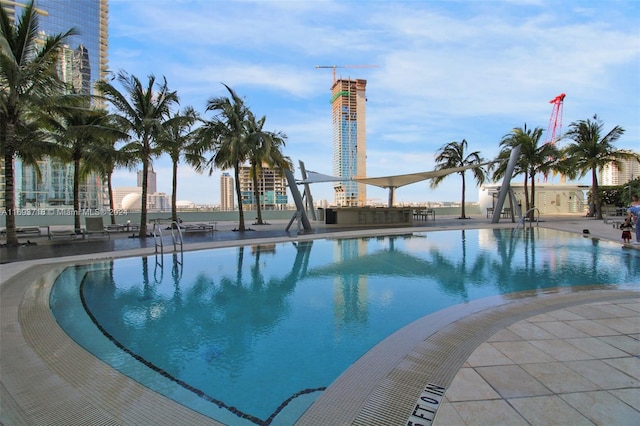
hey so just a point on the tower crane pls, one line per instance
(555, 122)
(333, 67)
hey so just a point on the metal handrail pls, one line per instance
(157, 237)
(176, 236)
(177, 239)
(524, 217)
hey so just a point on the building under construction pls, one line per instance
(348, 112)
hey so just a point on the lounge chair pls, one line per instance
(24, 230)
(95, 226)
(62, 233)
(198, 227)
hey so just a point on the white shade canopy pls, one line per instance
(395, 181)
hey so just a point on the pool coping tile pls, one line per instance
(48, 379)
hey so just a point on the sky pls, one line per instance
(444, 71)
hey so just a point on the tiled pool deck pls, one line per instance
(559, 357)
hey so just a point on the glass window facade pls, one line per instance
(83, 61)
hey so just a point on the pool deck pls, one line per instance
(554, 357)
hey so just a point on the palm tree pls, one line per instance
(28, 81)
(226, 134)
(533, 159)
(178, 141)
(77, 132)
(264, 149)
(105, 157)
(453, 155)
(144, 110)
(590, 151)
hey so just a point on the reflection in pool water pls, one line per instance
(253, 335)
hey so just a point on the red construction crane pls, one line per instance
(333, 67)
(555, 122)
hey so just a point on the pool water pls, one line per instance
(252, 335)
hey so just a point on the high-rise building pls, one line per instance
(52, 185)
(272, 187)
(152, 181)
(82, 61)
(612, 175)
(226, 192)
(348, 111)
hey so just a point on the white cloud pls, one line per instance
(446, 70)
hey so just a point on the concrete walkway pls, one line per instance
(573, 366)
(557, 358)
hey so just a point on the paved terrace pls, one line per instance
(556, 358)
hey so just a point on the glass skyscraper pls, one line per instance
(83, 61)
(90, 46)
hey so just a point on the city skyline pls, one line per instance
(444, 71)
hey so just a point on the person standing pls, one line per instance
(626, 227)
(633, 214)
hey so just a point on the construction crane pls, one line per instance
(333, 67)
(555, 122)
(555, 125)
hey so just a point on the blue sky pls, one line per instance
(446, 71)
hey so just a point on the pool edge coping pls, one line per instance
(29, 327)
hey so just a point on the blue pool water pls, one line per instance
(252, 335)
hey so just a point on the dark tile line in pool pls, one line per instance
(185, 385)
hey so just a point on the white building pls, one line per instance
(158, 201)
(549, 198)
(119, 194)
(226, 192)
(610, 175)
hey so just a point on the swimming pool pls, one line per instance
(251, 335)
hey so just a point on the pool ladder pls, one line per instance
(524, 217)
(176, 237)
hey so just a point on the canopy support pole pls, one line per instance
(506, 184)
(307, 192)
(301, 214)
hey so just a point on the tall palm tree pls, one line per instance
(226, 135)
(105, 157)
(534, 159)
(264, 149)
(178, 141)
(144, 109)
(77, 132)
(453, 155)
(28, 82)
(590, 151)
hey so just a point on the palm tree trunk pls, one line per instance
(143, 198)
(174, 186)
(112, 209)
(76, 196)
(256, 192)
(462, 215)
(527, 203)
(595, 194)
(9, 192)
(239, 197)
(533, 198)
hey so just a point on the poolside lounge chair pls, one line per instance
(24, 230)
(62, 233)
(95, 226)
(198, 227)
